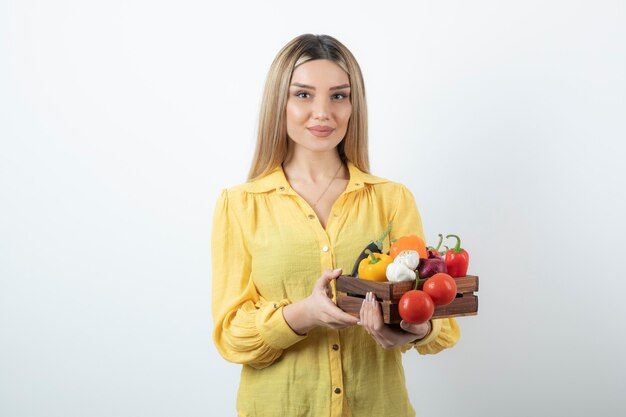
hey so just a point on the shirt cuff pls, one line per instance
(273, 327)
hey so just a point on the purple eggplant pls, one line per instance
(373, 247)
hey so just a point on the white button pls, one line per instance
(325, 248)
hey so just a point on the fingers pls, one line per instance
(338, 319)
(330, 315)
(372, 319)
(420, 330)
(327, 276)
(408, 327)
(344, 319)
(377, 316)
(364, 314)
(369, 308)
(324, 311)
(327, 313)
(331, 274)
(372, 322)
(370, 313)
(323, 283)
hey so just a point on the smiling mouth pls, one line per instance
(321, 131)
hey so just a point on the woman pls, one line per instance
(280, 240)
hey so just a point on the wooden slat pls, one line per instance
(467, 305)
(467, 284)
(352, 306)
(383, 290)
(388, 291)
(464, 305)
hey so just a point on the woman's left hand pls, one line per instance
(385, 336)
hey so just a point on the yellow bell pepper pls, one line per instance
(374, 267)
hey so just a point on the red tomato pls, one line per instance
(441, 288)
(416, 307)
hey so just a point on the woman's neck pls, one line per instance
(313, 167)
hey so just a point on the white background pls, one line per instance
(121, 121)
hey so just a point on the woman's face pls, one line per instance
(318, 107)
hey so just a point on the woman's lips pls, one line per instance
(321, 131)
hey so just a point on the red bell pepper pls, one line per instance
(457, 259)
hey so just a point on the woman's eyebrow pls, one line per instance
(339, 87)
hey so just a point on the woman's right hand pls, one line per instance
(321, 307)
(318, 308)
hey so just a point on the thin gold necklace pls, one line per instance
(328, 186)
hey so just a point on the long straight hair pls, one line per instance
(272, 142)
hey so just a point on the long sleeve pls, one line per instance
(247, 328)
(407, 220)
(445, 334)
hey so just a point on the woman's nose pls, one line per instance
(321, 109)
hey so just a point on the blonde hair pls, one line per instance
(272, 142)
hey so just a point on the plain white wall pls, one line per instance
(120, 122)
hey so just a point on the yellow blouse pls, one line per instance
(268, 249)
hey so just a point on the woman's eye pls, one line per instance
(302, 94)
(340, 96)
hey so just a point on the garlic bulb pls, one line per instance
(398, 272)
(410, 258)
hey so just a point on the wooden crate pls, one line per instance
(351, 292)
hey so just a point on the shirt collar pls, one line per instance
(276, 181)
